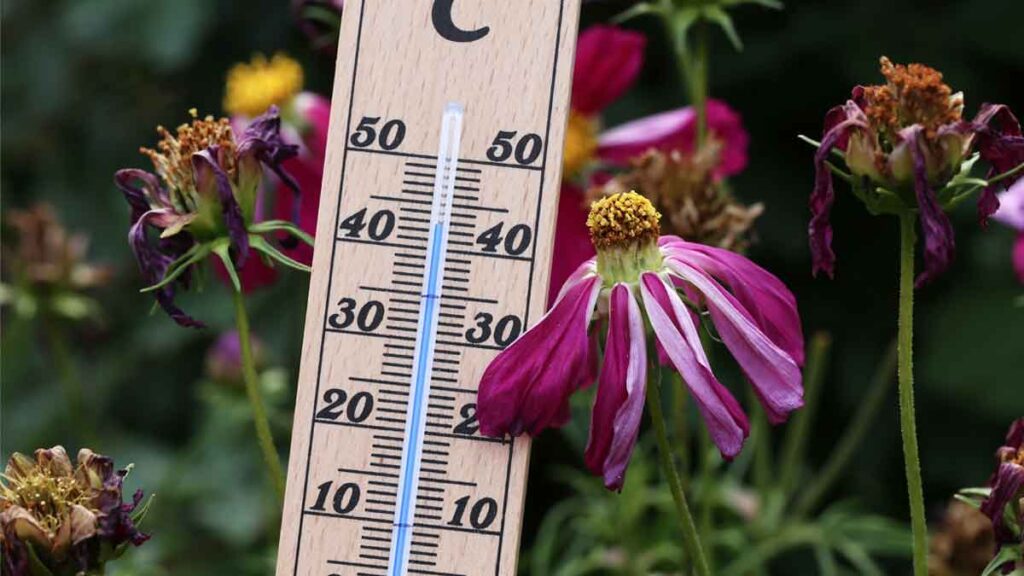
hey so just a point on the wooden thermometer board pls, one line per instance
(432, 254)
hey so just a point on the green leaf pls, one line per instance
(718, 16)
(179, 266)
(826, 560)
(259, 243)
(281, 226)
(35, 565)
(223, 250)
(973, 496)
(1006, 554)
(860, 559)
(682, 20)
(140, 515)
(640, 9)
(773, 4)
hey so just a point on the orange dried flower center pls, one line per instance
(913, 94)
(172, 158)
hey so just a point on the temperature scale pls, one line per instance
(432, 255)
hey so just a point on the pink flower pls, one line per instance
(1011, 213)
(671, 282)
(608, 61)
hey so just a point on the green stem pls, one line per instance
(699, 86)
(908, 425)
(679, 417)
(74, 395)
(795, 447)
(252, 390)
(691, 539)
(852, 438)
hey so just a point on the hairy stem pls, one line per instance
(691, 539)
(252, 390)
(905, 369)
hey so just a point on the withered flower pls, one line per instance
(909, 150)
(60, 519)
(963, 543)
(684, 188)
(47, 266)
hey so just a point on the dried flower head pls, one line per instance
(47, 266)
(68, 518)
(201, 201)
(684, 189)
(963, 543)
(907, 149)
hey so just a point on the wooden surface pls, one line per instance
(350, 414)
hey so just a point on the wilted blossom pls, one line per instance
(320, 20)
(684, 189)
(252, 88)
(46, 267)
(672, 283)
(1005, 504)
(201, 200)
(1011, 213)
(60, 519)
(962, 544)
(904, 143)
(608, 61)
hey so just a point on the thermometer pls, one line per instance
(432, 254)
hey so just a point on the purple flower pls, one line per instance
(637, 275)
(1004, 505)
(201, 200)
(905, 143)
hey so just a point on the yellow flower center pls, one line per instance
(47, 497)
(622, 220)
(257, 85)
(580, 143)
(172, 158)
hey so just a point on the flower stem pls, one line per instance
(74, 396)
(905, 367)
(691, 540)
(252, 390)
(852, 437)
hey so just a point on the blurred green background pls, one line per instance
(86, 81)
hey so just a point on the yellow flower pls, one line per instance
(257, 85)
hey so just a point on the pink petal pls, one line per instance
(771, 371)
(676, 130)
(526, 388)
(608, 60)
(572, 239)
(673, 327)
(316, 111)
(619, 405)
(771, 305)
(1011, 207)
